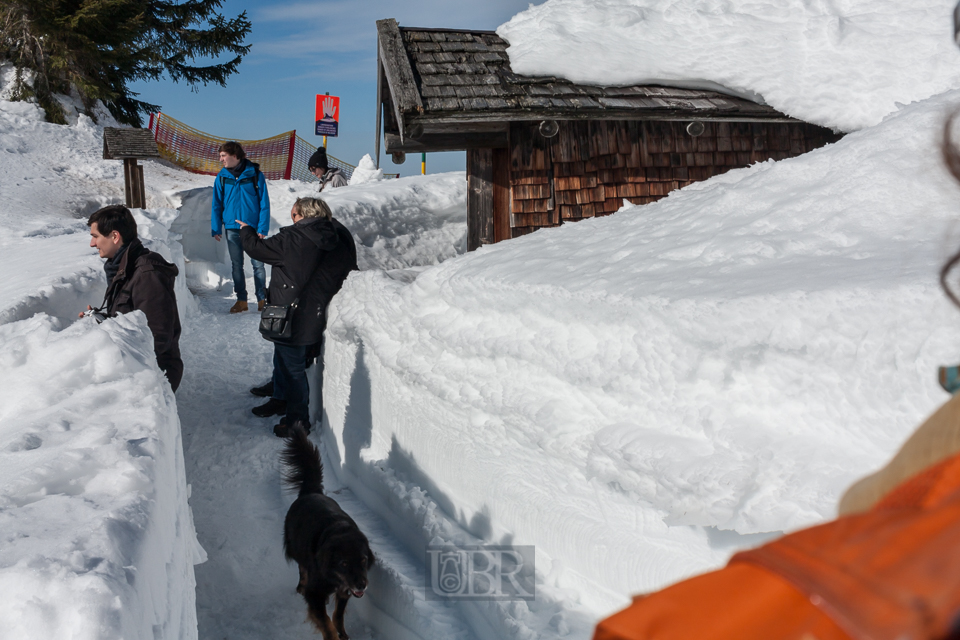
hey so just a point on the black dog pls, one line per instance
(331, 551)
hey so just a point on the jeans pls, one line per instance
(290, 380)
(235, 247)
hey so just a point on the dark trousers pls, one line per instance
(235, 248)
(290, 380)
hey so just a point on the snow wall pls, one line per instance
(96, 535)
(642, 395)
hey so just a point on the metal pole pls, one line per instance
(326, 93)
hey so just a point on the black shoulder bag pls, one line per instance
(276, 320)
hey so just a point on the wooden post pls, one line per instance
(376, 158)
(129, 145)
(479, 198)
(129, 168)
(501, 196)
(141, 189)
(133, 186)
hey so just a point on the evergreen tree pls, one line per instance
(100, 46)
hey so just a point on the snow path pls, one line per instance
(246, 588)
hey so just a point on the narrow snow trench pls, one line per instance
(246, 589)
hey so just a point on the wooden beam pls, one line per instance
(446, 142)
(376, 158)
(479, 198)
(140, 188)
(396, 66)
(479, 116)
(134, 189)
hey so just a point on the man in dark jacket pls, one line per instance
(310, 258)
(139, 279)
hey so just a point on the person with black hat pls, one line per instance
(329, 178)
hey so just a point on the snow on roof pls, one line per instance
(843, 64)
(466, 75)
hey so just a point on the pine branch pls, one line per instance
(99, 46)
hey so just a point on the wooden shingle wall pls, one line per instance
(591, 167)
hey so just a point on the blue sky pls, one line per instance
(301, 49)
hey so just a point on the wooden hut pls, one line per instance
(542, 151)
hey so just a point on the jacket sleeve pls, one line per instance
(151, 294)
(264, 227)
(338, 181)
(269, 250)
(216, 210)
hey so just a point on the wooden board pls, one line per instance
(479, 198)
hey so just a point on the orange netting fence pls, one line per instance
(281, 157)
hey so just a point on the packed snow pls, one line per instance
(842, 64)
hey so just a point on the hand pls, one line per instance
(217, 237)
(83, 313)
(329, 111)
(241, 223)
(261, 236)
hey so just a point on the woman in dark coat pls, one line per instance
(310, 258)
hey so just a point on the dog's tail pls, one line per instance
(302, 459)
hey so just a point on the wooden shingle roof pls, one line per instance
(443, 82)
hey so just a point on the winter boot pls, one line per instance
(261, 304)
(238, 306)
(264, 391)
(271, 407)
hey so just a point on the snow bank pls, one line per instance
(641, 395)
(396, 224)
(96, 536)
(843, 64)
(97, 539)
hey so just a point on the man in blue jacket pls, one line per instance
(240, 193)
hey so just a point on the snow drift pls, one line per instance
(97, 536)
(641, 395)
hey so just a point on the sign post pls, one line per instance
(327, 116)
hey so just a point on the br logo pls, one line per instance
(481, 573)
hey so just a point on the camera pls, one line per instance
(97, 315)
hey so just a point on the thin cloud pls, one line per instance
(300, 11)
(310, 44)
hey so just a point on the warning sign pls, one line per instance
(328, 116)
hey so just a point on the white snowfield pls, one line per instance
(637, 396)
(842, 64)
